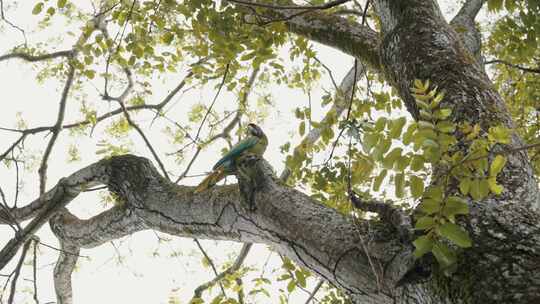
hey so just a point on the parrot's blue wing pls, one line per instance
(237, 150)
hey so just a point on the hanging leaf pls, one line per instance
(417, 186)
(423, 245)
(455, 234)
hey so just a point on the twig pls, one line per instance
(18, 271)
(11, 23)
(211, 263)
(519, 67)
(234, 268)
(213, 101)
(34, 271)
(55, 131)
(146, 141)
(315, 290)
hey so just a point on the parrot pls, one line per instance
(255, 143)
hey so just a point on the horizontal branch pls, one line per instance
(291, 7)
(318, 237)
(35, 58)
(515, 66)
(329, 29)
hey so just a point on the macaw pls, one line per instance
(255, 143)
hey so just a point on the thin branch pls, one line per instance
(516, 66)
(34, 271)
(348, 111)
(55, 131)
(2, 15)
(213, 101)
(211, 263)
(18, 271)
(146, 141)
(228, 128)
(231, 270)
(314, 292)
(34, 58)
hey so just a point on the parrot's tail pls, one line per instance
(211, 180)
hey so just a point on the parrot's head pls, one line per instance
(255, 130)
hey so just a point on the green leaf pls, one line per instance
(291, 286)
(417, 163)
(497, 165)
(399, 182)
(425, 115)
(430, 143)
(408, 135)
(397, 127)
(380, 124)
(370, 140)
(167, 38)
(61, 3)
(465, 186)
(423, 245)
(391, 158)
(437, 100)
(425, 222)
(479, 189)
(446, 127)
(425, 125)
(495, 5)
(430, 206)
(499, 134)
(455, 234)
(443, 113)
(300, 277)
(417, 186)
(302, 128)
(444, 255)
(379, 179)
(493, 186)
(420, 103)
(455, 205)
(37, 8)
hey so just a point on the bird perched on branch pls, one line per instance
(255, 143)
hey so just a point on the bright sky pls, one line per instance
(131, 272)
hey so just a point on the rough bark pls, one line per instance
(364, 259)
(418, 43)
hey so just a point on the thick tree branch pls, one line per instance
(332, 30)
(463, 24)
(151, 202)
(470, 9)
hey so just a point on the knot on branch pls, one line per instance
(130, 176)
(388, 213)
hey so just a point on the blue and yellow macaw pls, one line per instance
(255, 143)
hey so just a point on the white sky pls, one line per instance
(140, 277)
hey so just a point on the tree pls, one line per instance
(472, 168)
